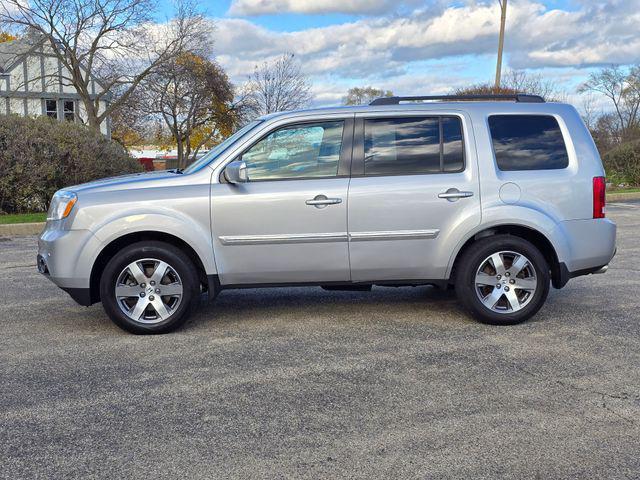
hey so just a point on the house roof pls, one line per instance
(11, 52)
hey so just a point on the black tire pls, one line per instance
(179, 262)
(470, 263)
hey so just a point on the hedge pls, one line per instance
(41, 155)
(622, 164)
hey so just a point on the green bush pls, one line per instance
(622, 164)
(40, 155)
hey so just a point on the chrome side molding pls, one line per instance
(393, 235)
(282, 239)
(231, 240)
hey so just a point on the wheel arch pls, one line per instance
(109, 250)
(541, 241)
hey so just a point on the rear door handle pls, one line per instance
(321, 201)
(454, 194)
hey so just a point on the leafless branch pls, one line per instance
(277, 86)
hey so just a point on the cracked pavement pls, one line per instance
(304, 383)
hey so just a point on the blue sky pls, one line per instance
(422, 46)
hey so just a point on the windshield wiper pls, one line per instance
(176, 170)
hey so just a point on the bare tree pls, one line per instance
(589, 113)
(622, 88)
(115, 41)
(534, 84)
(194, 98)
(277, 86)
(364, 95)
(518, 81)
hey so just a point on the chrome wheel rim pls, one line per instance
(148, 291)
(506, 282)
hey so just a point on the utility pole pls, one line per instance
(503, 19)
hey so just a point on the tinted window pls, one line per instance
(528, 142)
(301, 151)
(411, 146)
(452, 153)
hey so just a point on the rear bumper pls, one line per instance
(591, 244)
(564, 275)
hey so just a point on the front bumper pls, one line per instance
(66, 257)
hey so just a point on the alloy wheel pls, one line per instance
(506, 282)
(148, 291)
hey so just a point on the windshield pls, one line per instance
(218, 149)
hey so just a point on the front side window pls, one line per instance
(528, 142)
(413, 146)
(297, 151)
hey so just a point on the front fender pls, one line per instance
(164, 221)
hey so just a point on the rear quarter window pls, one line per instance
(528, 142)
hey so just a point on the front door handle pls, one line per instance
(454, 194)
(321, 201)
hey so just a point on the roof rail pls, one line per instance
(518, 97)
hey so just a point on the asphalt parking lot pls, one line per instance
(304, 383)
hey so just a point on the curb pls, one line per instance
(21, 229)
(618, 197)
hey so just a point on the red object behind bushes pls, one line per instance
(147, 163)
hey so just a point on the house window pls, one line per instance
(52, 108)
(69, 112)
(66, 108)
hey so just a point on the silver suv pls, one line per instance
(497, 196)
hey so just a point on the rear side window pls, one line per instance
(413, 146)
(528, 142)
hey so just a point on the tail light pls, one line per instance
(599, 197)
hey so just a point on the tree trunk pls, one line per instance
(92, 115)
(180, 149)
(187, 152)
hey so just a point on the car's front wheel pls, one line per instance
(502, 280)
(149, 287)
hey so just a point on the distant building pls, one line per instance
(32, 83)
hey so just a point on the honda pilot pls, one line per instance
(499, 197)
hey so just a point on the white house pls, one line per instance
(32, 82)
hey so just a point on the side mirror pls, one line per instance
(236, 172)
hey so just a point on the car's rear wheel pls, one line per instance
(502, 280)
(149, 287)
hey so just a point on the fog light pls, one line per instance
(42, 265)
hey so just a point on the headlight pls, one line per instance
(61, 205)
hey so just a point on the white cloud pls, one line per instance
(392, 51)
(536, 37)
(263, 7)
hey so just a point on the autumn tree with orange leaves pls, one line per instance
(194, 99)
